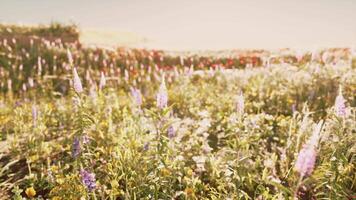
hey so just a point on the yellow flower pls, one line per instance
(54, 168)
(114, 184)
(165, 172)
(189, 172)
(189, 192)
(30, 192)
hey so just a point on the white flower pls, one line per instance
(200, 162)
(206, 148)
(240, 104)
(102, 82)
(314, 139)
(340, 108)
(162, 96)
(70, 58)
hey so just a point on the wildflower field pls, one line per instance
(96, 123)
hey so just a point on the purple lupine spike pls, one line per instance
(136, 95)
(88, 179)
(77, 84)
(307, 156)
(102, 82)
(340, 108)
(171, 132)
(162, 96)
(76, 147)
(306, 160)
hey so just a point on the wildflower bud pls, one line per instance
(171, 132)
(30, 192)
(136, 95)
(77, 84)
(39, 65)
(146, 146)
(314, 139)
(307, 155)
(340, 108)
(306, 161)
(76, 147)
(31, 82)
(92, 92)
(70, 58)
(85, 139)
(294, 109)
(102, 81)
(162, 96)
(34, 114)
(240, 104)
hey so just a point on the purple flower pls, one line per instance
(76, 147)
(340, 108)
(88, 179)
(146, 146)
(136, 95)
(85, 139)
(307, 155)
(171, 132)
(162, 96)
(306, 160)
(77, 84)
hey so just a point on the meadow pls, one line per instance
(99, 123)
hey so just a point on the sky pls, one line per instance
(202, 24)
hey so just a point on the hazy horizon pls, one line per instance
(184, 25)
